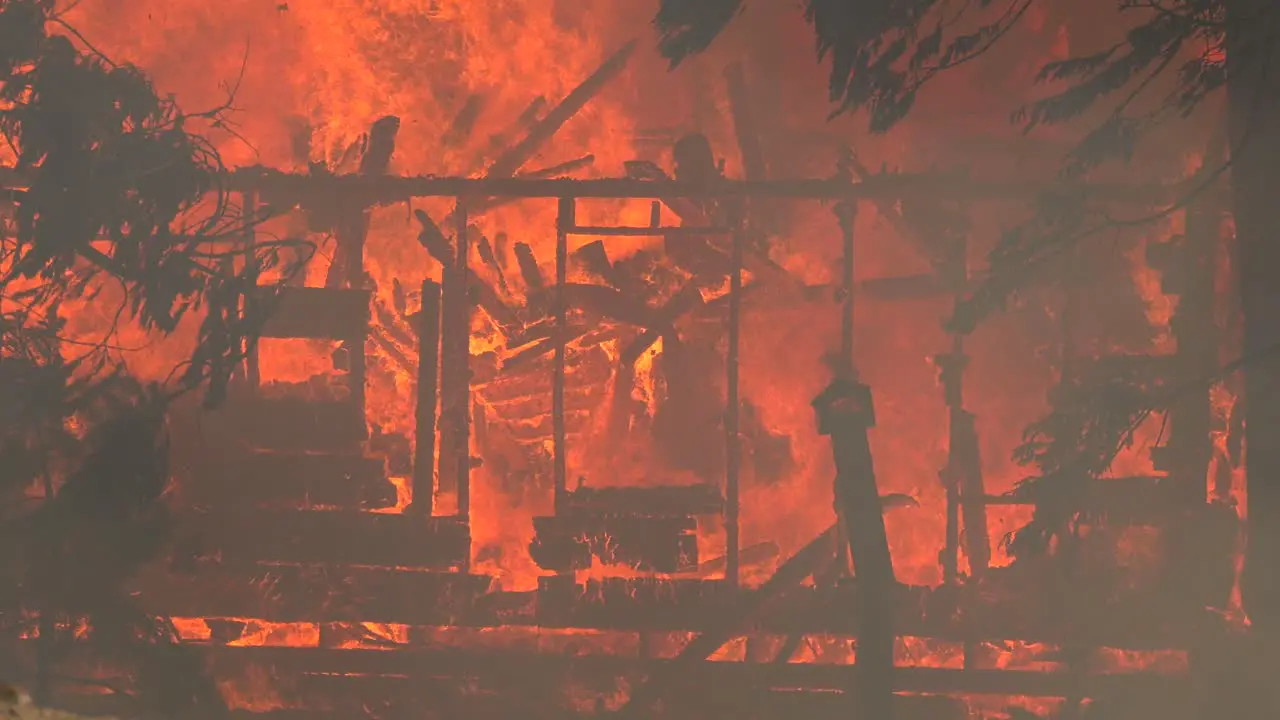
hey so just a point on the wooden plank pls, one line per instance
(324, 538)
(536, 696)
(427, 407)
(318, 313)
(289, 480)
(281, 188)
(294, 423)
(318, 594)
(676, 604)
(651, 501)
(652, 544)
(528, 665)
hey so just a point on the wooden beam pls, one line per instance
(311, 594)
(295, 189)
(427, 407)
(811, 676)
(541, 131)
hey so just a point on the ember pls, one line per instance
(569, 416)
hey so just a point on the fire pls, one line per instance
(313, 76)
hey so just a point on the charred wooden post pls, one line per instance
(348, 254)
(846, 215)
(744, 124)
(454, 341)
(845, 413)
(733, 440)
(462, 401)
(966, 494)
(424, 461)
(249, 203)
(566, 220)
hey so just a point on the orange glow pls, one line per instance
(318, 73)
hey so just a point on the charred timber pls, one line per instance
(313, 594)
(417, 663)
(543, 129)
(687, 300)
(290, 480)
(582, 368)
(323, 538)
(427, 408)
(653, 544)
(297, 189)
(1008, 612)
(481, 292)
(745, 612)
(370, 675)
(845, 413)
(594, 259)
(331, 593)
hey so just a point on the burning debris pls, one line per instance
(562, 460)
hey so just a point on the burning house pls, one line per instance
(591, 407)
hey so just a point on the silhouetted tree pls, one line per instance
(111, 188)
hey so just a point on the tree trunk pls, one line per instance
(1254, 95)
(1254, 98)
